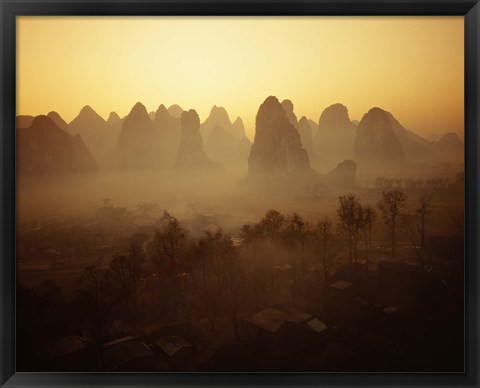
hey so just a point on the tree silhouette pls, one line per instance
(136, 256)
(119, 272)
(391, 205)
(272, 226)
(324, 236)
(232, 280)
(252, 249)
(299, 230)
(422, 213)
(169, 240)
(98, 295)
(370, 217)
(351, 218)
(272, 229)
(210, 250)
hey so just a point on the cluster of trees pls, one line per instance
(217, 277)
(221, 269)
(103, 289)
(382, 183)
(356, 221)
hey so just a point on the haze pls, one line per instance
(411, 66)
(266, 195)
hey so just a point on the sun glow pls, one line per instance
(411, 66)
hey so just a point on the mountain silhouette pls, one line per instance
(416, 148)
(449, 148)
(342, 176)
(304, 129)
(218, 117)
(175, 111)
(113, 118)
(44, 148)
(376, 145)
(86, 116)
(137, 146)
(228, 150)
(98, 135)
(23, 121)
(168, 131)
(335, 136)
(191, 156)
(287, 106)
(57, 119)
(283, 145)
(277, 149)
(307, 129)
(238, 129)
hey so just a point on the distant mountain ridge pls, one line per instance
(100, 135)
(283, 144)
(135, 148)
(57, 119)
(219, 117)
(44, 148)
(335, 136)
(277, 148)
(191, 156)
(226, 149)
(376, 144)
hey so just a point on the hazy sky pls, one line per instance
(412, 67)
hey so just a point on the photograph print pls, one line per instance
(240, 194)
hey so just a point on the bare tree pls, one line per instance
(370, 217)
(391, 205)
(136, 256)
(273, 225)
(210, 251)
(382, 183)
(271, 229)
(252, 249)
(232, 282)
(125, 271)
(422, 213)
(97, 293)
(324, 236)
(169, 239)
(120, 273)
(350, 217)
(299, 230)
(186, 308)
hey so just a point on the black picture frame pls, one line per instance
(9, 9)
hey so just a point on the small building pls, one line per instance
(237, 241)
(382, 328)
(174, 347)
(361, 300)
(303, 339)
(341, 285)
(119, 341)
(390, 309)
(268, 321)
(128, 355)
(284, 271)
(66, 345)
(116, 329)
(316, 325)
(399, 272)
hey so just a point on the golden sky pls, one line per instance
(410, 66)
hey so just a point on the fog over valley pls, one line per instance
(161, 241)
(163, 158)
